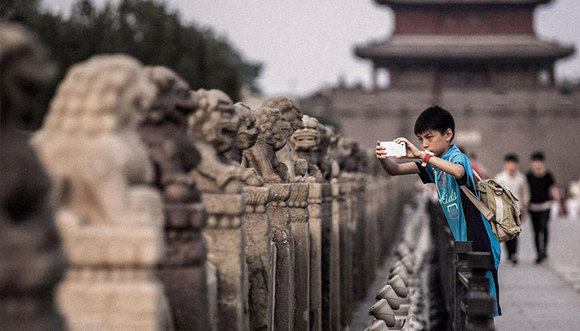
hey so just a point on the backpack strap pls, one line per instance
(486, 212)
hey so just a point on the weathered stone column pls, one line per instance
(363, 270)
(183, 269)
(298, 204)
(109, 216)
(320, 225)
(335, 258)
(213, 127)
(282, 236)
(259, 257)
(373, 192)
(346, 249)
(225, 240)
(356, 226)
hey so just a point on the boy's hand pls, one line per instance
(380, 151)
(412, 151)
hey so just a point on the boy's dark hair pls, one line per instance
(511, 157)
(435, 118)
(538, 156)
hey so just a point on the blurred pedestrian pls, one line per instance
(542, 193)
(477, 166)
(512, 178)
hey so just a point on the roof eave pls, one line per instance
(447, 3)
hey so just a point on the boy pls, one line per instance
(517, 183)
(445, 165)
(543, 191)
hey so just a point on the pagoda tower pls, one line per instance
(439, 44)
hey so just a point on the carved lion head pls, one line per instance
(274, 127)
(289, 109)
(102, 95)
(215, 121)
(174, 99)
(248, 131)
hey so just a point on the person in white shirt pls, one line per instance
(511, 177)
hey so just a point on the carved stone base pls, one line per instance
(112, 300)
(110, 285)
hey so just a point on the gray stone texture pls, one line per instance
(31, 258)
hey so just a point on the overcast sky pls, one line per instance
(307, 44)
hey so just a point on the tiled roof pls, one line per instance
(433, 47)
(461, 2)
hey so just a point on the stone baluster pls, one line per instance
(109, 215)
(320, 225)
(213, 127)
(298, 204)
(273, 136)
(259, 257)
(311, 143)
(343, 197)
(282, 236)
(31, 259)
(183, 269)
(336, 288)
(225, 240)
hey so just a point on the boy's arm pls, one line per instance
(393, 168)
(454, 169)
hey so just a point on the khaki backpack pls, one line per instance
(498, 205)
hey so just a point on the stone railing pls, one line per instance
(430, 261)
(461, 281)
(180, 210)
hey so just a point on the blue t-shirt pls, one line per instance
(464, 219)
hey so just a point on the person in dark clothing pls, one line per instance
(542, 193)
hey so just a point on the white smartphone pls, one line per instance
(394, 149)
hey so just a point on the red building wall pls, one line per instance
(464, 22)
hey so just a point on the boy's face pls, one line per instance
(436, 142)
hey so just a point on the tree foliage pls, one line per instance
(146, 29)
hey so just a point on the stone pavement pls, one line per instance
(533, 297)
(542, 297)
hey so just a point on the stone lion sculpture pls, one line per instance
(89, 139)
(274, 133)
(245, 138)
(31, 259)
(305, 148)
(293, 115)
(164, 131)
(214, 126)
(110, 215)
